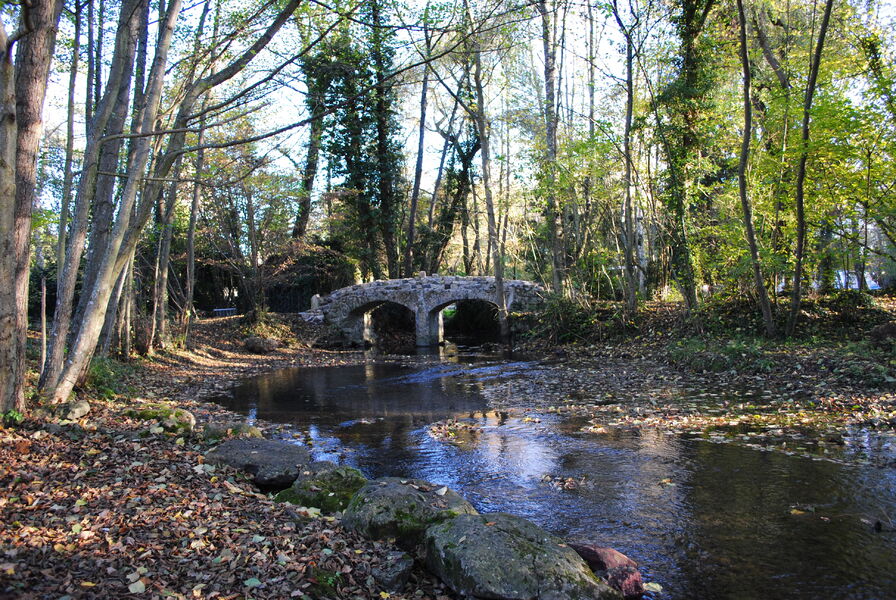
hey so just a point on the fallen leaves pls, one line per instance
(108, 513)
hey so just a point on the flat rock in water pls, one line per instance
(325, 485)
(275, 464)
(505, 557)
(399, 508)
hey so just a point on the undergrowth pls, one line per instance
(106, 375)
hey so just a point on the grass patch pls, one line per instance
(105, 377)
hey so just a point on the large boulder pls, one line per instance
(398, 508)
(325, 485)
(275, 464)
(504, 557)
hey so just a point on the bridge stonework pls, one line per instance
(348, 309)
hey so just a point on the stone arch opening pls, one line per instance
(384, 324)
(469, 321)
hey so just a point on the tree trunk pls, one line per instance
(12, 359)
(758, 281)
(22, 90)
(122, 64)
(801, 172)
(67, 177)
(418, 174)
(631, 286)
(191, 238)
(482, 125)
(558, 272)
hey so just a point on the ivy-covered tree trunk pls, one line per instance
(687, 97)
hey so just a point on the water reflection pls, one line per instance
(705, 520)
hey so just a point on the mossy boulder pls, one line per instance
(325, 485)
(173, 420)
(506, 557)
(275, 464)
(220, 431)
(402, 509)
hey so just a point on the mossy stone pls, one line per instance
(402, 509)
(504, 556)
(174, 420)
(324, 485)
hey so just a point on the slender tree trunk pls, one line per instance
(189, 309)
(631, 287)
(67, 177)
(159, 335)
(761, 294)
(801, 172)
(418, 174)
(122, 64)
(482, 126)
(548, 38)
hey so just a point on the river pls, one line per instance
(703, 519)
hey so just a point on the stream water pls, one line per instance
(704, 520)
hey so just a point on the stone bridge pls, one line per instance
(348, 309)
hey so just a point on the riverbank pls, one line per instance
(112, 506)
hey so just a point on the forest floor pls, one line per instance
(108, 506)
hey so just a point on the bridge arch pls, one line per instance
(348, 309)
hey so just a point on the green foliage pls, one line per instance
(563, 320)
(848, 304)
(12, 418)
(105, 377)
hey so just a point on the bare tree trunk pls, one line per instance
(191, 238)
(22, 90)
(159, 336)
(12, 367)
(418, 167)
(761, 293)
(67, 177)
(482, 125)
(631, 287)
(801, 172)
(548, 37)
(122, 64)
